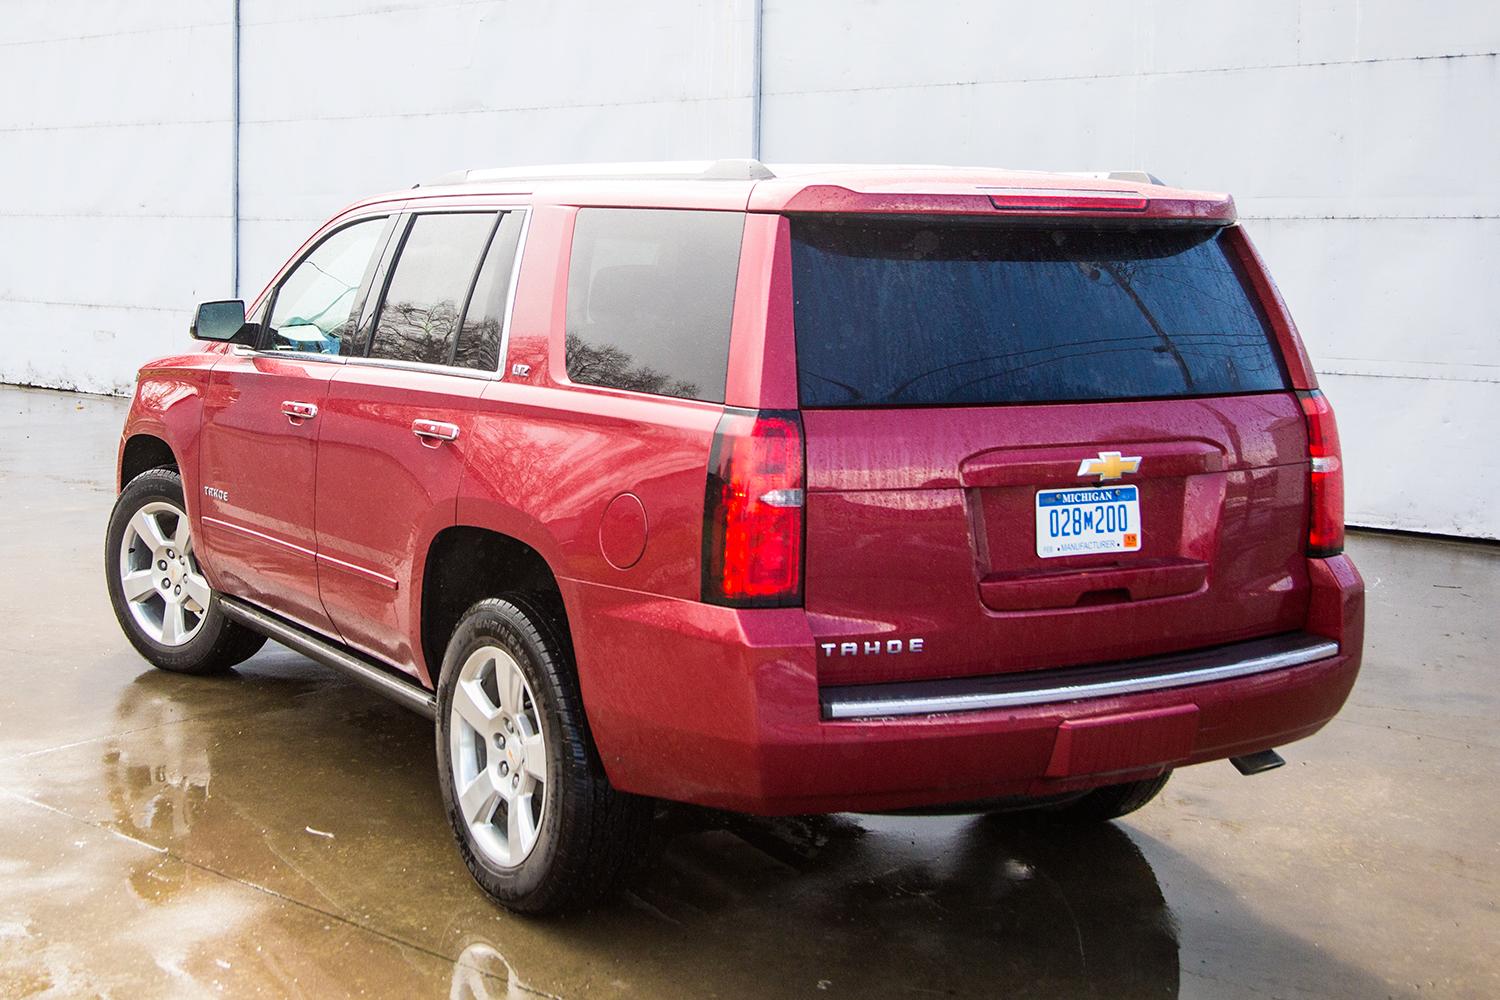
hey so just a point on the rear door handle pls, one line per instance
(434, 430)
(296, 411)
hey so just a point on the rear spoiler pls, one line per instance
(1169, 204)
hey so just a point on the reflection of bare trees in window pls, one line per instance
(479, 345)
(605, 364)
(412, 332)
(1123, 272)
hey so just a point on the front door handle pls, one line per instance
(434, 431)
(296, 411)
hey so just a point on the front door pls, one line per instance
(261, 418)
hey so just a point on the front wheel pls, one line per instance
(536, 820)
(159, 593)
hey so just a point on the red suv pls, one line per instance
(839, 488)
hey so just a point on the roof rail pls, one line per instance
(707, 170)
(1139, 176)
(1134, 176)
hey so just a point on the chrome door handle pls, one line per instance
(436, 430)
(299, 411)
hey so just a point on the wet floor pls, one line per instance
(278, 832)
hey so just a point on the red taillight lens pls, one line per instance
(752, 511)
(1325, 531)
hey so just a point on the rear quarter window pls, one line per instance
(901, 313)
(650, 298)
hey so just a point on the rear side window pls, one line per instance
(949, 314)
(650, 296)
(484, 320)
(420, 315)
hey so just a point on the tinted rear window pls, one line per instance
(419, 318)
(650, 297)
(484, 319)
(913, 314)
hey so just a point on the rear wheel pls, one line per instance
(1109, 802)
(163, 601)
(536, 820)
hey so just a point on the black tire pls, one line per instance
(590, 835)
(1109, 802)
(219, 643)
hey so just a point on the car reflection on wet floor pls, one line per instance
(863, 904)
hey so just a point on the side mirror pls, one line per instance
(218, 321)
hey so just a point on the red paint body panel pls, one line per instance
(168, 406)
(1123, 741)
(918, 523)
(260, 543)
(730, 717)
(383, 494)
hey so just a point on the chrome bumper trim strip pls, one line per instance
(872, 701)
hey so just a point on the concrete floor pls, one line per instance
(278, 831)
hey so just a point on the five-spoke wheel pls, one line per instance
(537, 822)
(498, 753)
(160, 594)
(159, 576)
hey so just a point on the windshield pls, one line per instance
(903, 313)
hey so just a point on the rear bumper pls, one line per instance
(722, 708)
(1050, 687)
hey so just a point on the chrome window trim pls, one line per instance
(510, 304)
(423, 366)
(242, 351)
(503, 351)
(865, 702)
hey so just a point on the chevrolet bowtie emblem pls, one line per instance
(1109, 465)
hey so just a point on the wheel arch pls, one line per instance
(142, 451)
(465, 564)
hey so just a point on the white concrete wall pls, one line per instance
(115, 165)
(115, 137)
(1360, 139)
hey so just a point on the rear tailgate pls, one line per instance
(1033, 447)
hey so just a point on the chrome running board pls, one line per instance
(377, 679)
(1045, 687)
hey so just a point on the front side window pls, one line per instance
(313, 307)
(419, 318)
(650, 297)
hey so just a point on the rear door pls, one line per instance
(397, 427)
(1038, 446)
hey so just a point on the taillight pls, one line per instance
(752, 511)
(1325, 530)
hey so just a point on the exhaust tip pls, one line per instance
(1255, 763)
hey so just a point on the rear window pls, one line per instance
(908, 313)
(650, 298)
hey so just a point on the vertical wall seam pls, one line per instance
(756, 86)
(234, 170)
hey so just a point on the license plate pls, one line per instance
(1085, 521)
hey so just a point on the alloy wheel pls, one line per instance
(164, 587)
(499, 756)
